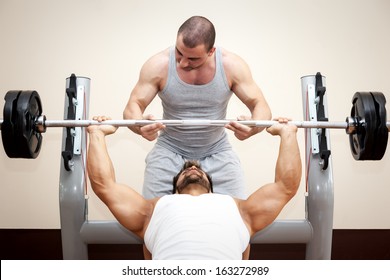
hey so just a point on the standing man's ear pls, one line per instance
(211, 52)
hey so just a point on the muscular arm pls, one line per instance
(246, 89)
(151, 81)
(128, 207)
(265, 204)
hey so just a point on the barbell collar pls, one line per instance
(40, 124)
(352, 125)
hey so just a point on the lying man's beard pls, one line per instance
(193, 180)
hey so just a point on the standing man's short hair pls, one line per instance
(197, 30)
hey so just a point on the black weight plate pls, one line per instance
(8, 125)
(362, 142)
(382, 132)
(356, 140)
(29, 140)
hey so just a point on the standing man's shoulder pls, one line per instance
(160, 59)
(236, 68)
(156, 66)
(155, 69)
(158, 62)
(231, 59)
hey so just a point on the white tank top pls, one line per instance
(186, 227)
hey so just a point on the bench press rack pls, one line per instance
(315, 230)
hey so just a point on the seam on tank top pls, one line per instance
(169, 76)
(222, 70)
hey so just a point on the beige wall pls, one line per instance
(43, 42)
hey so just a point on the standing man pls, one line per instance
(195, 80)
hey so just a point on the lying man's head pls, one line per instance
(191, 173)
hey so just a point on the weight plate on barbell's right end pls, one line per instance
(8, 125)
(29, 139)
(382, 132)
(362, 141)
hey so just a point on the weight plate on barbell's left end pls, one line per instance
(28, 138)
(8, 125)
(29, 108)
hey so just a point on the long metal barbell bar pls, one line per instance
(42, 123)
(193, 122)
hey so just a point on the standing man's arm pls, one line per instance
(151, 81)
(128, 207)
(265, 204)
(246, 89)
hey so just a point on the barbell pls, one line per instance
(23, 124)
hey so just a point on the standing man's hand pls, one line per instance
(150, 131)
(242, 131)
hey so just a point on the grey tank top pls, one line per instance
(185, 101)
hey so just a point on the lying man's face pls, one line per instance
(191, 173)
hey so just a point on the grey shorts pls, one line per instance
(162, 165)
